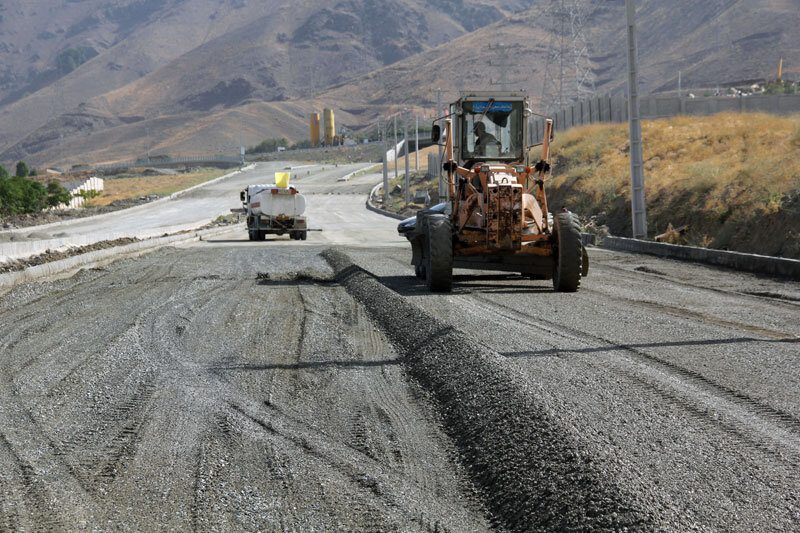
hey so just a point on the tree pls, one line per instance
(57, 195)
(3, 172)
(22, 170)
(21, 195)
(268, 145)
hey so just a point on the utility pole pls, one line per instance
(385, 165)
(680, 84)
(407, 180)
(396, 151)
(638, 205)
(439, 171)
(416, 143)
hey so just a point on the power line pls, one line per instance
(503, 65)
(568, 74)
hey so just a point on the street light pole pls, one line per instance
(638, 205)
(385, 166)
(416, 146)
(396, 151)
(406, 144)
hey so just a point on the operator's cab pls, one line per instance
(490, 128)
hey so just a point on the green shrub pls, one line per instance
(268, 145)
(21, 195)
(57, 195)
(88, 195)
(22, 170)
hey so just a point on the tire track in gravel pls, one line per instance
(619, 273)
(644, 385)
(532, 472)
(777, 423)
(756, 407)
(50, 505)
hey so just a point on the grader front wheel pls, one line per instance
(568, 254)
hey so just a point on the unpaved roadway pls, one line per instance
(230, 385)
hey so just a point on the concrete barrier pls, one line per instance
(100, 257)
(378, 210)
(757, 264)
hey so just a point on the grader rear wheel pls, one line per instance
(569, 254)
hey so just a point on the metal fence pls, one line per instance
(615, 109)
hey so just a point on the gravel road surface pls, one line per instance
(315, 386)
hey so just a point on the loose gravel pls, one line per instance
(533, 473)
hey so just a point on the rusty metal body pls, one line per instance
(499, 203)
(497, 216)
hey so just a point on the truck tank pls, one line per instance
(273, 201)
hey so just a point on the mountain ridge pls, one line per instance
(269, 64)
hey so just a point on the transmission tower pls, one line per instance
(568, 74)
(503, 65)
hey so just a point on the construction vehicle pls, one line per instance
(274, 210)
(496, 217)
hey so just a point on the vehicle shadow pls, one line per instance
(245, 241)
(469, 284)
(558, 352)
(306, 365)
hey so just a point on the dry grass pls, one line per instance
(130, 188)
(725, 161)
(698, 170)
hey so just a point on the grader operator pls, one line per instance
(496, 216)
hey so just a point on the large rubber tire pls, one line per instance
(439, 256)
(251, 235)
(568, 253)
(419, 271)
(303, 235)
(261, 235)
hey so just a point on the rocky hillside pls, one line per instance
(96, 80)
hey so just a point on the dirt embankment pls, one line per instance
(733, 179)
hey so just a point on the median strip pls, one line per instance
(98, 257)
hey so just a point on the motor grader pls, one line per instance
(496, 216)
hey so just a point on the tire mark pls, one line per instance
(98, 453)
(34, 491)
(757, 296)
(697, 316)
(370, 519)
(750, 405)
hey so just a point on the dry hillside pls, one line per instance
(733, 179)
(192, 76)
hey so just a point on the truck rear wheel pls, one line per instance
(261, 235)
(303, 235)
(439, 256)
(568, 254)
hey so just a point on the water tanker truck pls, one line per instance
(274, 210)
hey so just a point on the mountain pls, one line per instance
(99, 80)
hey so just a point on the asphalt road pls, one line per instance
(187, 211)
(235, 385)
